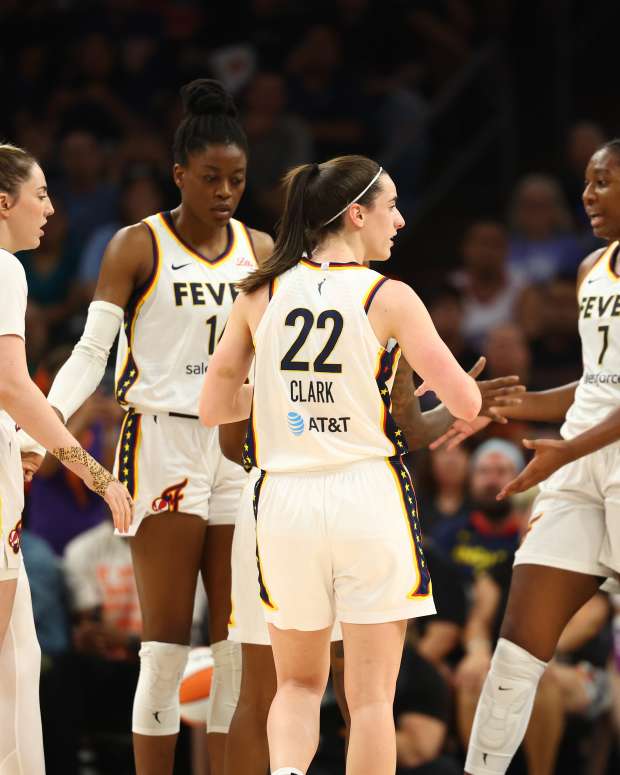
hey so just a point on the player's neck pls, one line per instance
(339, 250)
(209, 239)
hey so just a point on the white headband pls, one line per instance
(353, 201)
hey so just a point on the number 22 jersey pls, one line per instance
(322, 380)
(173, 323)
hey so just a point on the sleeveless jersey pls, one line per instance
(322, 380)
(173, 323)
(598, 392)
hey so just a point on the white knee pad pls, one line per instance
(225, 686)
(156, 702)
(21, 739)
(504, 709)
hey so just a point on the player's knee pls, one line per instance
(225, 686)
(504, 708)
(366, 694)
(156, 703)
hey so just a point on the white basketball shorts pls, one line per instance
(575, 523)
(247, 619)
(172, 463)
(340, 545)
(11, 499)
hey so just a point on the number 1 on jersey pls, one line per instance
(212, 323)
(605, 332)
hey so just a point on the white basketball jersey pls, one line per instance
(598, 391)
(173, 323)
(322, 380)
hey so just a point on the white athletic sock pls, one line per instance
(287, 771)
(504, 709)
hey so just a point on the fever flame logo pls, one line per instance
(170, 498)
(15, 537)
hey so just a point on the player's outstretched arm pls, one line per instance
(225, 398)
(26, 404)
(423, 428)
(398, 312)
(551, 454)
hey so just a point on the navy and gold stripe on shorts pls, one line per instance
(264, 592)
(128, 451)
(249, 446)
(423, 586)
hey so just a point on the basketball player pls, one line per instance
(24, 209)
(246, 746)
(337, 528)
(169, 283)
(573, 541)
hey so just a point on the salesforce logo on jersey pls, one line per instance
(297, 425)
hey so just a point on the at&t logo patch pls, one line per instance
(296, 423)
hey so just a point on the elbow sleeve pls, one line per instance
(81, 374)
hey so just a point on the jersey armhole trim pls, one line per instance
(373, 292)
(251, 242)
(603, 257)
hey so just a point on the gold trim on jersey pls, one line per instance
(331, 265)
(248, 236)
(606, 255)
(130, 373)
(210, 262)
(370, 295)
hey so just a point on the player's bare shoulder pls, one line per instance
(127, 263)
(263, 244)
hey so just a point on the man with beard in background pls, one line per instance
(488, 534)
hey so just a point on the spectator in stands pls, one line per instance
(59, 506)
(490, 289)
(90, 200)
(141, 194)
(446, 309)
(445, 495)
(542, 243)
(488, 533)
(278, 141)
(323, 93)
(106, 631)
(556, 351)
(582, 140)
(437, 638)
(50, 273)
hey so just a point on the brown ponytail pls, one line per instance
(314, 193)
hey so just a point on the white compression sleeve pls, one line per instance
(81, 374)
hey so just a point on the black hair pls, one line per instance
(612, 145)
(314, 195)
(211, 118)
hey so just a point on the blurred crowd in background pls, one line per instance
(91, 88)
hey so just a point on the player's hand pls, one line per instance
(549, 455)
(459, 431)
(496, 393)
(31, 463)
(121, 505)
(502, 391)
